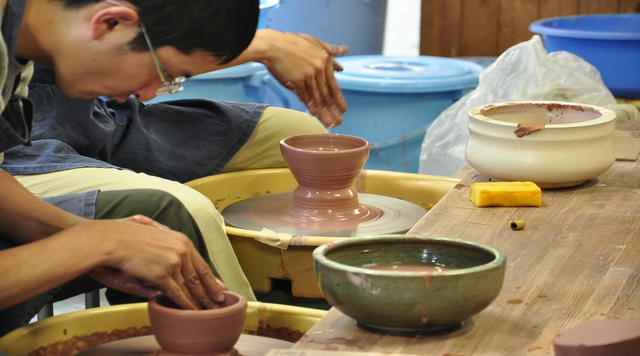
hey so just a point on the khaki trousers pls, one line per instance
(261, 151)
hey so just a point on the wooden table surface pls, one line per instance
(576, 261)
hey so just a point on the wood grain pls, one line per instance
(480, 29)
(441, 35)
(597, 6)
(513, 14)
(577, 261)
(628, 6)
(555, 8)
(626, 145)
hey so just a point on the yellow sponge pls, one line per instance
(506, 194)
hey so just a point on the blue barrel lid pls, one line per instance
(239, 71)
(399, 74)
(597, 27)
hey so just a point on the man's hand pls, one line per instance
(152, 259)
(311, 77)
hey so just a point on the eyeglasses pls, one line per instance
(171, 86)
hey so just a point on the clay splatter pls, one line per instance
(527, 129)
(362, 282)
(281, 333)
(80, 343)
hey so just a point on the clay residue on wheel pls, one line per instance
(80, 343)
(280, 333)
(527, 129)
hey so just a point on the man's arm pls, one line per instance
(135, 255)
(26, 218)
(303, 64)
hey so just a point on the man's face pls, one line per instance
(119, 74)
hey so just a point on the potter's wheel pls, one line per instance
(247, 345)
(385, 215)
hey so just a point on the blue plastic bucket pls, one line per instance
(357, 23)
(611, 42)
(250, 82)
(393, 100)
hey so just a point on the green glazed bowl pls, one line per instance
(399, 302)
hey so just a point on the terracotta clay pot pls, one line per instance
(198, 332)
(325, 166)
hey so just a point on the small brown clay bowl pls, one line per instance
(435, 283)
(198, 332)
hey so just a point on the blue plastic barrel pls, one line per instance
(357, 23)
(265, 7)
(611, 42)
(393, 100)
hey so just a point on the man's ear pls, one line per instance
(109, 18)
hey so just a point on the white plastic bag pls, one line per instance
(523, 72)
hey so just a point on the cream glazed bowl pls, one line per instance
(553, 144)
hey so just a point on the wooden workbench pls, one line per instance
(576, 261)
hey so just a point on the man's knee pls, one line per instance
(158, 205)
(118, 204)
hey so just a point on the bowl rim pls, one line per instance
(544, 27)
(319, 257)
(236, 307)
(606, 115)
(363, 144)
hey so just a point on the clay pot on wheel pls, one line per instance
(211, 332)
(325, 166)
(325, 201)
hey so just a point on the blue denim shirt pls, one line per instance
(178, 140)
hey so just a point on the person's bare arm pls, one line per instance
(25, 217)
(303, 64)
(135, 255)
(33, 268)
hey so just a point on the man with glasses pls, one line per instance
(98, 48)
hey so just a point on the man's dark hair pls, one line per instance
(223, 28)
